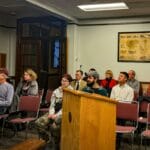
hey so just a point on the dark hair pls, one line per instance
(80, 71)
(68, 77)
(4, 71)
(92, 69)
(125, 73)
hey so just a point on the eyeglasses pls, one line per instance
(64, 80)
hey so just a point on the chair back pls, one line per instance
(48, 95)
(148, 115)
(41, 92)
(143, 106)
(29, 103)
(127, 111)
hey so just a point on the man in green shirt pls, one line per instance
(92, 84)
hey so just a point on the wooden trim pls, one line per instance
(91, 95)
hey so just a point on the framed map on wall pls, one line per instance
(134, 46)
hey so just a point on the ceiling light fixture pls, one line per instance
(103, 7)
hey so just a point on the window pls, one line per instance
(56, 53)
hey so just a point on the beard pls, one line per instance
(90, 84)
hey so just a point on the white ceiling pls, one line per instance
(68, 10)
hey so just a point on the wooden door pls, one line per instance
(37, 39)
(57, 61)
(28, 56)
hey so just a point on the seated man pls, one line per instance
(86, 74)
(93, 86)
(133, 83)
(78, 83)
(6, 91)
(122, 91)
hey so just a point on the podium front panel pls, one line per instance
(88, 122)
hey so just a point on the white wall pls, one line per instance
(8, 46)
(97, 46)
(73, 54)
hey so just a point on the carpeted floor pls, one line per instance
(9, 139)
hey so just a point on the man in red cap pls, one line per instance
(6, 91)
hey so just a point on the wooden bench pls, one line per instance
(29, 144)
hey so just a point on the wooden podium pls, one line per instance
(88, 121)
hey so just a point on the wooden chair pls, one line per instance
(146, 132)
(127, 112)
(30, 105)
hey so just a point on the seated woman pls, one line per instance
(27, 86)
(55, 112)
(108, 82)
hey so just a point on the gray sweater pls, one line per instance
(6, 94)
(24, 89)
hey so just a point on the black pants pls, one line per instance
(3, 110)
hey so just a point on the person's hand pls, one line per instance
(53, 116)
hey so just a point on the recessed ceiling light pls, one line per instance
(102, 7)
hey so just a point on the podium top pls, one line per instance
(90, 95)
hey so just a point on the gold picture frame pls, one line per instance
(134, 46)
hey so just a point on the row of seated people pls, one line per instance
(121, 92)
(55, 110)
(125, 89)
(109, 82)
(54, 115)
(29, 86)
(91, 85)
(8, 97)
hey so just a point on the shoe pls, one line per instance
(45, 135)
